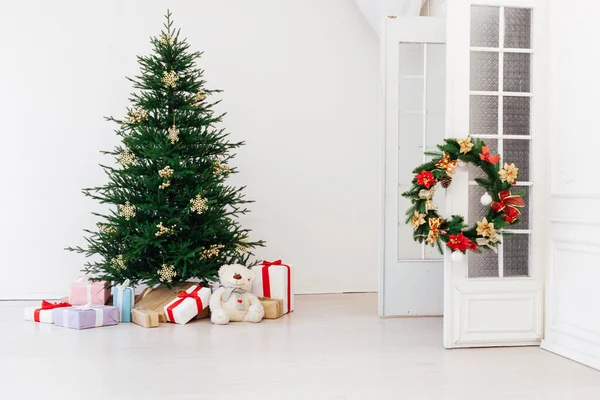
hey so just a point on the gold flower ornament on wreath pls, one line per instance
(505, 204)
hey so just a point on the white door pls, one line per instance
(413, 49)
(496, 91)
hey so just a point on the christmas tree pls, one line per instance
(174, 217)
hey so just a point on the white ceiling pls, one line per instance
(376, 10)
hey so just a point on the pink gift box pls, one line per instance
(84, 291)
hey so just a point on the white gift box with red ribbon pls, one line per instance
(274, 280)
(187, 304)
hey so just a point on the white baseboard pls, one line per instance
(571, 354)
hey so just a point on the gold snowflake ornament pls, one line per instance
(118, 262)
(173, 134)
(170, 79)
(485, 228)
(509, 173)
(199, 204)
(126, 158)
(127, 210)
(167, 273)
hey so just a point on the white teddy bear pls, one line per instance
(234, 300)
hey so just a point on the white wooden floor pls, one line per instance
(332, 347)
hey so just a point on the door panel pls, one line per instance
(495, 91)
(414, 85)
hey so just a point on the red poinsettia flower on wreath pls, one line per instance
(461, 243)
(425, 178)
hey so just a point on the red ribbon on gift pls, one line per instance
(267, 280)
(46, 305)
(507, 202)
(182, 296)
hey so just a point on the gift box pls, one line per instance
(84, 317)
(144, 317)
(155, 299)
(273, 307)
(187, 305)
(124, 299)
(43, 313)
(274, 280)
(83, 291)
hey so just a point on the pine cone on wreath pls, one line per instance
(445, 181)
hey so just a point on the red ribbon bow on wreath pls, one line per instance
(509, 203)
(486, 156)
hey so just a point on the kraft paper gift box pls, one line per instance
(124, 299)
(84, 291)
(273, 307)
(274, 280)
(155, 299)
(145, 318)
(44, 313)
(88, 316)
(187, 305)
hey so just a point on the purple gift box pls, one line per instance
(86, 316)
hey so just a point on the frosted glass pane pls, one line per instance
(524, 217)
(407, 247)
(436, 130)
(483, 265)
(517, 151)
(517, 72)
(484, 71)
(516, 255)
(410, 95)
(411, 59)
(483, 115)
(475, 172)
(485, 26)
(517, 32)
(410, 146)
(516, 115)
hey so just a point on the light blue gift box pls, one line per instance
(124, 299)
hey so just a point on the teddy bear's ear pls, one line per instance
(222, 269)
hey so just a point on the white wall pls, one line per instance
(301, 81)
(573, 287)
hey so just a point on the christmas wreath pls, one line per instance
(504, 203)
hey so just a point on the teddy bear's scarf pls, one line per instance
(229, 291)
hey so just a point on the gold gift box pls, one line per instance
(273, 307)
(144, 317)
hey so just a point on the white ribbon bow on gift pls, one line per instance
(427, 195)
(88, 288)
(99, 312)
(121, 288)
